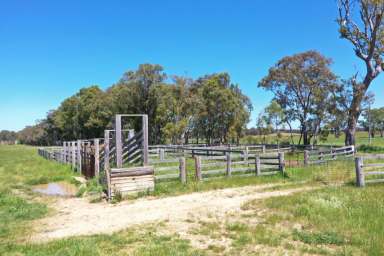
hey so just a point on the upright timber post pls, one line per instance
(119, 143)
(360, 181)
(182, 170)
(257, 164)
(106, 162)
(228, 166)
(73, 149)
(198, 168)
(65, 152)
(245, 154)
(97, 156)
(79, 156)
(145, 140)
(306, 157)
(281, 162)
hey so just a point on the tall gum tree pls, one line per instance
(361, 23)
(302, 85)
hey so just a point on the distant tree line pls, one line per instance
(210, 109)
(7, 137)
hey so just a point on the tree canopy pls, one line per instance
(303, 86)
(210, 108)
(361, 23)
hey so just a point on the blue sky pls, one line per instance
(50, 49)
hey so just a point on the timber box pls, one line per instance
(132, 180)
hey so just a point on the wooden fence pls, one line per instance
(233, 163)
(169, 169)
(85, 156)
(325, 155)
(239, 165)
(164, 151)
(376, 170)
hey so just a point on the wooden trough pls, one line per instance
(131, 180)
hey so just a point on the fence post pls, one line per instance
(333, 153)
(183, 174)
(78, 155)
(106, 150)
(245, 154)
(97, 156)
(119, 142)
(263, 149)
(64, 152)
(281, 162)
(106, 162)
(228, 169)
(198, 168)
(306, 157)
(161, 154)
(258, 167)
(73, 155)
(145, 140)
(360, 180)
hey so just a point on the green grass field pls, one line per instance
(337, 219)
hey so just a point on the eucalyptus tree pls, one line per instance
(302, 85)
(222, 109)
(361, 23)
(83, 115)
(176, 109)
(136, 92)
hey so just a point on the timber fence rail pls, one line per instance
(162, 152)
(238, 165)
(366, 168)
(325, 155)
(85, 156)
(171, 169)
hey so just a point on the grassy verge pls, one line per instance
(139, 241)
(339, 220)
(20, 169)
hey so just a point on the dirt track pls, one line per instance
(75, 216)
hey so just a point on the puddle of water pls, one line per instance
(56, 189)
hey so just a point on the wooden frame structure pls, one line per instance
(371, 169)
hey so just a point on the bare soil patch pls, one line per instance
(76, 216)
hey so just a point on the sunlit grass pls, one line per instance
(345, 216)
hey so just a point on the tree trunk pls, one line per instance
(290, 132)
(354, 113)
(351, 129)
(306, 141)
